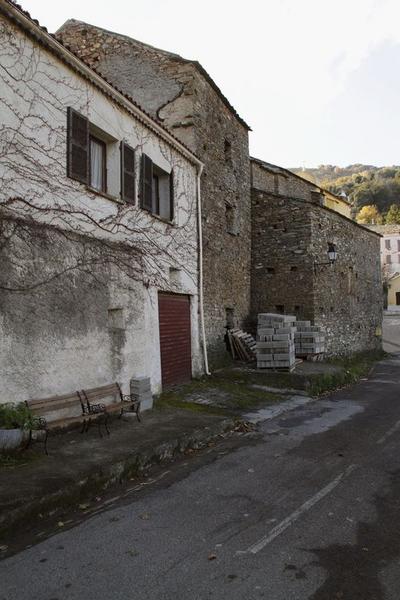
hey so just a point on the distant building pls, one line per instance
(390, 248)
(393, 291)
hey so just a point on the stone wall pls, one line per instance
(289, 236)
(179, 93)
(281, 272)
(348, 295)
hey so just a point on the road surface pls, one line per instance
(308, 508)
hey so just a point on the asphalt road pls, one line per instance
(308, 508)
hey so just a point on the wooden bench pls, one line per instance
(121, 402)
(46, 412)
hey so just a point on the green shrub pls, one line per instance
(15, 416)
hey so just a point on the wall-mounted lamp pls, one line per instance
(332, 256)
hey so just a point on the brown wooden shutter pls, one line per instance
(171, 195)
(127, 173)
(77, 146)
(147, 183)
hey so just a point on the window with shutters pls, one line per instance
(387, 244)
(93, 158)
(157, 193)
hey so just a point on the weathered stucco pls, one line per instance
(102, 261)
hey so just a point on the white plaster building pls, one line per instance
(390, 248)
(98, 228)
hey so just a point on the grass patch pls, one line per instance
(229, 391)
(352, 368)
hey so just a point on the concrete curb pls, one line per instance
(111, 474)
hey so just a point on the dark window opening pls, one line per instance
(271, 270)
(230, 318)
(97, 160)
(228, 151)
(293, 269)
(332, 309)
(297, 308)
(280, 309)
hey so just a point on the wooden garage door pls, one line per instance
(175, 345)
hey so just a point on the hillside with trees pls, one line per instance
(374, 192)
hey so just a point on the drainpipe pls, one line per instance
(201, 304)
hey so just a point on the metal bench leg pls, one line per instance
(99, 427)
(29, 442)
(45, 442)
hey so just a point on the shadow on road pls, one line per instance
(353, 571)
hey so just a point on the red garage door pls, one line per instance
(175, 346)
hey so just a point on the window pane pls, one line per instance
(165, 201)
(156, 195)
(97, 165)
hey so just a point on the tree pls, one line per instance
(393, 215)
(369, 214)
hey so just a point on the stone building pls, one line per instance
(99, 278)
(181, 94)
(292, 229)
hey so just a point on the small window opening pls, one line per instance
(297, 308)
(228, 151)
(293, 269)
(231, 219)
(230, 317)
(271, 270)
(280, 309)
(116, 318)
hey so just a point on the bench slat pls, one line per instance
(71, 397)
(48, 408)
(104, 390)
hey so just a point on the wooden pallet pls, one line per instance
(242, 345)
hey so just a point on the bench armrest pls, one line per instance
(130, 398)
(39, 423)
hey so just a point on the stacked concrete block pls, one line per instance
(275, 341)
(309, 339)
(141, 390)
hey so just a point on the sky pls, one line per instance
(318, 82)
